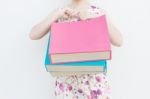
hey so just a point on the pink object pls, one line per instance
(87, 36)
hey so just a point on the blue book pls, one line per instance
(74, 67)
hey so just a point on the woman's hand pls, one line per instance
(41, 29)
(66, 12)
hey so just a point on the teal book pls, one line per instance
(74, 67)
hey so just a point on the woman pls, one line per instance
(87, 86)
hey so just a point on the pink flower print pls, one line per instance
(80, 91)
(104, 78)
(61, 86)
(98, 79)
(56, 83)
(87, 82)
(93, 7)
(84, 77)
(93, 94)
(99, 92)
(69, 87)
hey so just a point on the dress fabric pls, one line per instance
(85, 86)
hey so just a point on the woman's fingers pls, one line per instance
(70, 12)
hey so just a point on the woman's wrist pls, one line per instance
(51, 18)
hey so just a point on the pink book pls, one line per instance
(86, 40)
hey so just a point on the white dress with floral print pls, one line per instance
(86, 86)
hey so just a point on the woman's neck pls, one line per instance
(81, 7)
(79, 4)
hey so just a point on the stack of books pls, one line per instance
(78, 47)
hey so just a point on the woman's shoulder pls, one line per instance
(95, 11)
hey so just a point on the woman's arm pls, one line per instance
(115, 35)
(42, 28)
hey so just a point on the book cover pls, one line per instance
(74, 67)
(86, 40)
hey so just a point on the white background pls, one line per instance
(22, 72)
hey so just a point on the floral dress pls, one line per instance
(85, 86)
